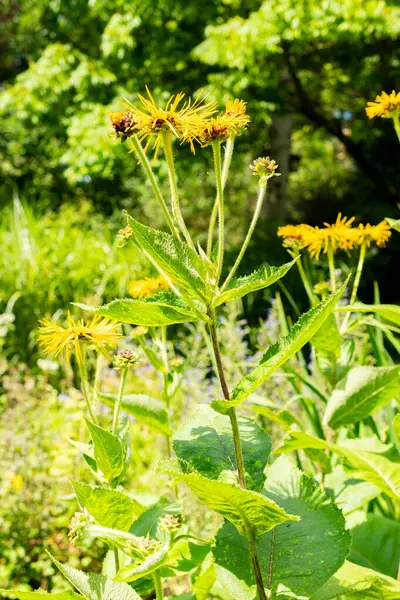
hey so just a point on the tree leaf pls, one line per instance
(353, 582)
(94, 586)
(148, 410)
(174, 258)
(360, 464)
(42, 595)
(389, 312)
(109, 451)
(364, 390)
(243, 508)
(162, 309)
(376, 544)
(206, 442)
(109, 507)
(297, 558)
(258, 280)
(279, 353)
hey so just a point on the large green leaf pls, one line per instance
(109, 507)
(41, 595)
(174, 258)
(258, 280)
(364, 390)
(243, 508)
(327, 341)
(389, 312)
(229, 587)
(109, 451)
(144, 408)
(349, 494)
(164, 308)
(353, 582)
(360, 464)
(276, 356)
(206, 442)
(94, 586)
(394, 223)
(376, 544)
(296, 558)
(147, 523)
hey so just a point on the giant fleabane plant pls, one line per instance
(282, 536)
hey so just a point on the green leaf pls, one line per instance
(376, 544)
(135, 571)
(364, 390)
(94, 586)
(174, 258)
(389, 312)
(394, 223)
(41, 595)
(243, 508)
(147, 523)
(206, 442)
(276, 356)
(360, 464)
(148, 410)
(162, 309)
(109, 451)
(205, 580)
(396, 430)
(353, 582)
(350, 495)
(336, 370)
(229, 587)
(109, 507)
(327, 341)
(258, 280)
(184, 556)
(296, 557)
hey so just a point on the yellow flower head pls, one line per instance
(178, 118)
(223, 126)
(317, 240)
(295, 232)
(236, 110)
(124, 124)
(341, 233)
(379, 234)
(385, 105)
(148, 286)
(99, 333)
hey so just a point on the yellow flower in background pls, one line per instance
(379, 234)
(99, 333)
(317, 240)
(295, 232)
(17, 482)
(341, 233)
(223, 126)
(142, 288)
(385, 105)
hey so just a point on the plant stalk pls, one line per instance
(396, 123)
(357, 279)
(305, 281)
(216, 146)
(118, 403)
(150, 176)
(332, 275)
(158, 585)
(84, 383)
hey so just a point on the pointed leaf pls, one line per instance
(229, 587)
(327, 341)
(42, 595)
(109, 507)
(162, 309)
(206, 442)
(376, 544)
(258, 280)
(296, 558)
(109, 451)
(174, 258)
(394, 223)
(147, 523)
(148, 410)
(282, 351)
(243, 508)
(364, 390)
(389, 312)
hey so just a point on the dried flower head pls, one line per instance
(264, 168)
(124, 124)
(125, 359)
(124, 235)
(99, 333)
(385, 105)
(148, 286)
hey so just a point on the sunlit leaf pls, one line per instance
(110, 508)
(148, 410)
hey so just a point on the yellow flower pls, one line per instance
(99, 333)
(178, 118)
(148, 286)
(223, 126)
(317, 240)
(385, 105)
(379, 234)
(17, 482)
(236, 110)
(295, 232)
(342, 235)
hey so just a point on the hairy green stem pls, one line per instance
(158, 585)
(150, 176)
(216, 146)
(260, 200)
(356, 284)
(225, 170)
(176, 209)
(118, 402)
(306, 283)
(239, 456)
(331, 262)
(84, 383)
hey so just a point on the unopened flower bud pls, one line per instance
(170, 523)
(124, 235)
(125, 359)
(77, 527)
(322, 289)
(264, 168)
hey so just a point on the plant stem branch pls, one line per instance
(356, 284)
(396, 123)
(150, 176)
(158, 585)
(176, 209)
(216, 146)
(118, 402)
(86, 395)
(331, 262)
(260, 200)
(305, 281)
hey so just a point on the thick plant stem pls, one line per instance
(158, 585)
(239, 457)
(260, 200)
(305, 281)
(118, 402)
(356, 284)
(86, 395)
(176, 209)
(216, 146)
(150, 176)
(332, 275)
(396, 123)
(225, 170)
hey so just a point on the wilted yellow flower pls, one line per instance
(385, 105)
(379, 234)
(147, 286)
(178, 117)
(99, 333)
(124, 124)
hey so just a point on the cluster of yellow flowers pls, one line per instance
(187, 121)
(339, 235)
(385, 105)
